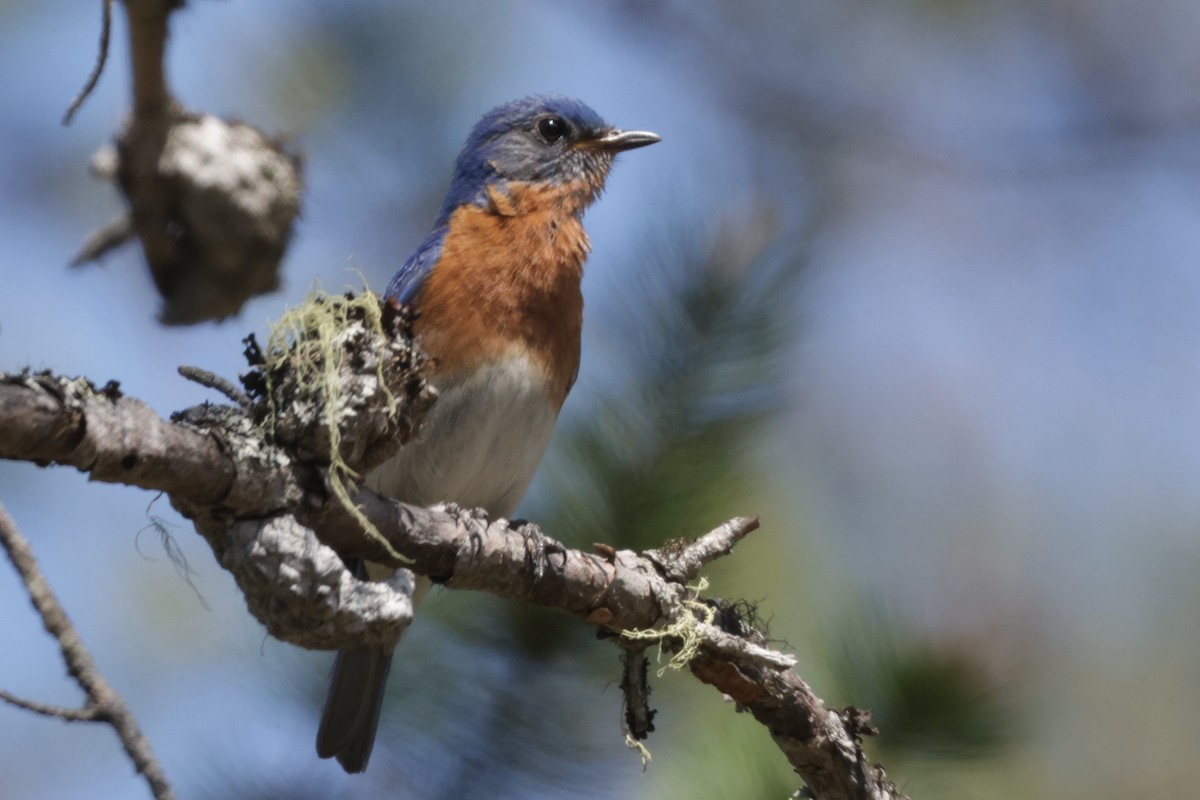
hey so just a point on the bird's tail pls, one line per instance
(356, 688)
(351, 713)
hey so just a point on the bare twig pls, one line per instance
(682, 560)
(104, 240)
(635, 691)
(103, 701)
(215, 382)
(101, 59)
(85, 714)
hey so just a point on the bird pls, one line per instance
(499, 310)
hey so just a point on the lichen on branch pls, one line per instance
(325, 388)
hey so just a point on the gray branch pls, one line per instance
(103, 702)
(273, 522)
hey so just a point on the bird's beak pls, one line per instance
(615, 141)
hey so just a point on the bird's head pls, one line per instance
(542, 139)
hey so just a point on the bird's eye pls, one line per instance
(552, 129)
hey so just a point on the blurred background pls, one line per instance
(915, 281)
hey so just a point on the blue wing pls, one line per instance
(408, 281)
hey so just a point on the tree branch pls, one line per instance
(682, 559)
(212, 202)
(103, 703)
(147, 47)
(273, 522)
(85, 714)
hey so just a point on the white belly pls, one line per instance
(480, 444)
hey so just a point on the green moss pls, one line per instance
(308, 342)
(687, 630)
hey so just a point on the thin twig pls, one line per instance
(85, 714)
(635, 690)
(682, 560)
(104, 240)
(108, 705)
(98, 69)
(213, 381)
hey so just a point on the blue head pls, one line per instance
(541, 138)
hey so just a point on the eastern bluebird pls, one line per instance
(497, 287)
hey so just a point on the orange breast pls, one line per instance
(508, 277)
